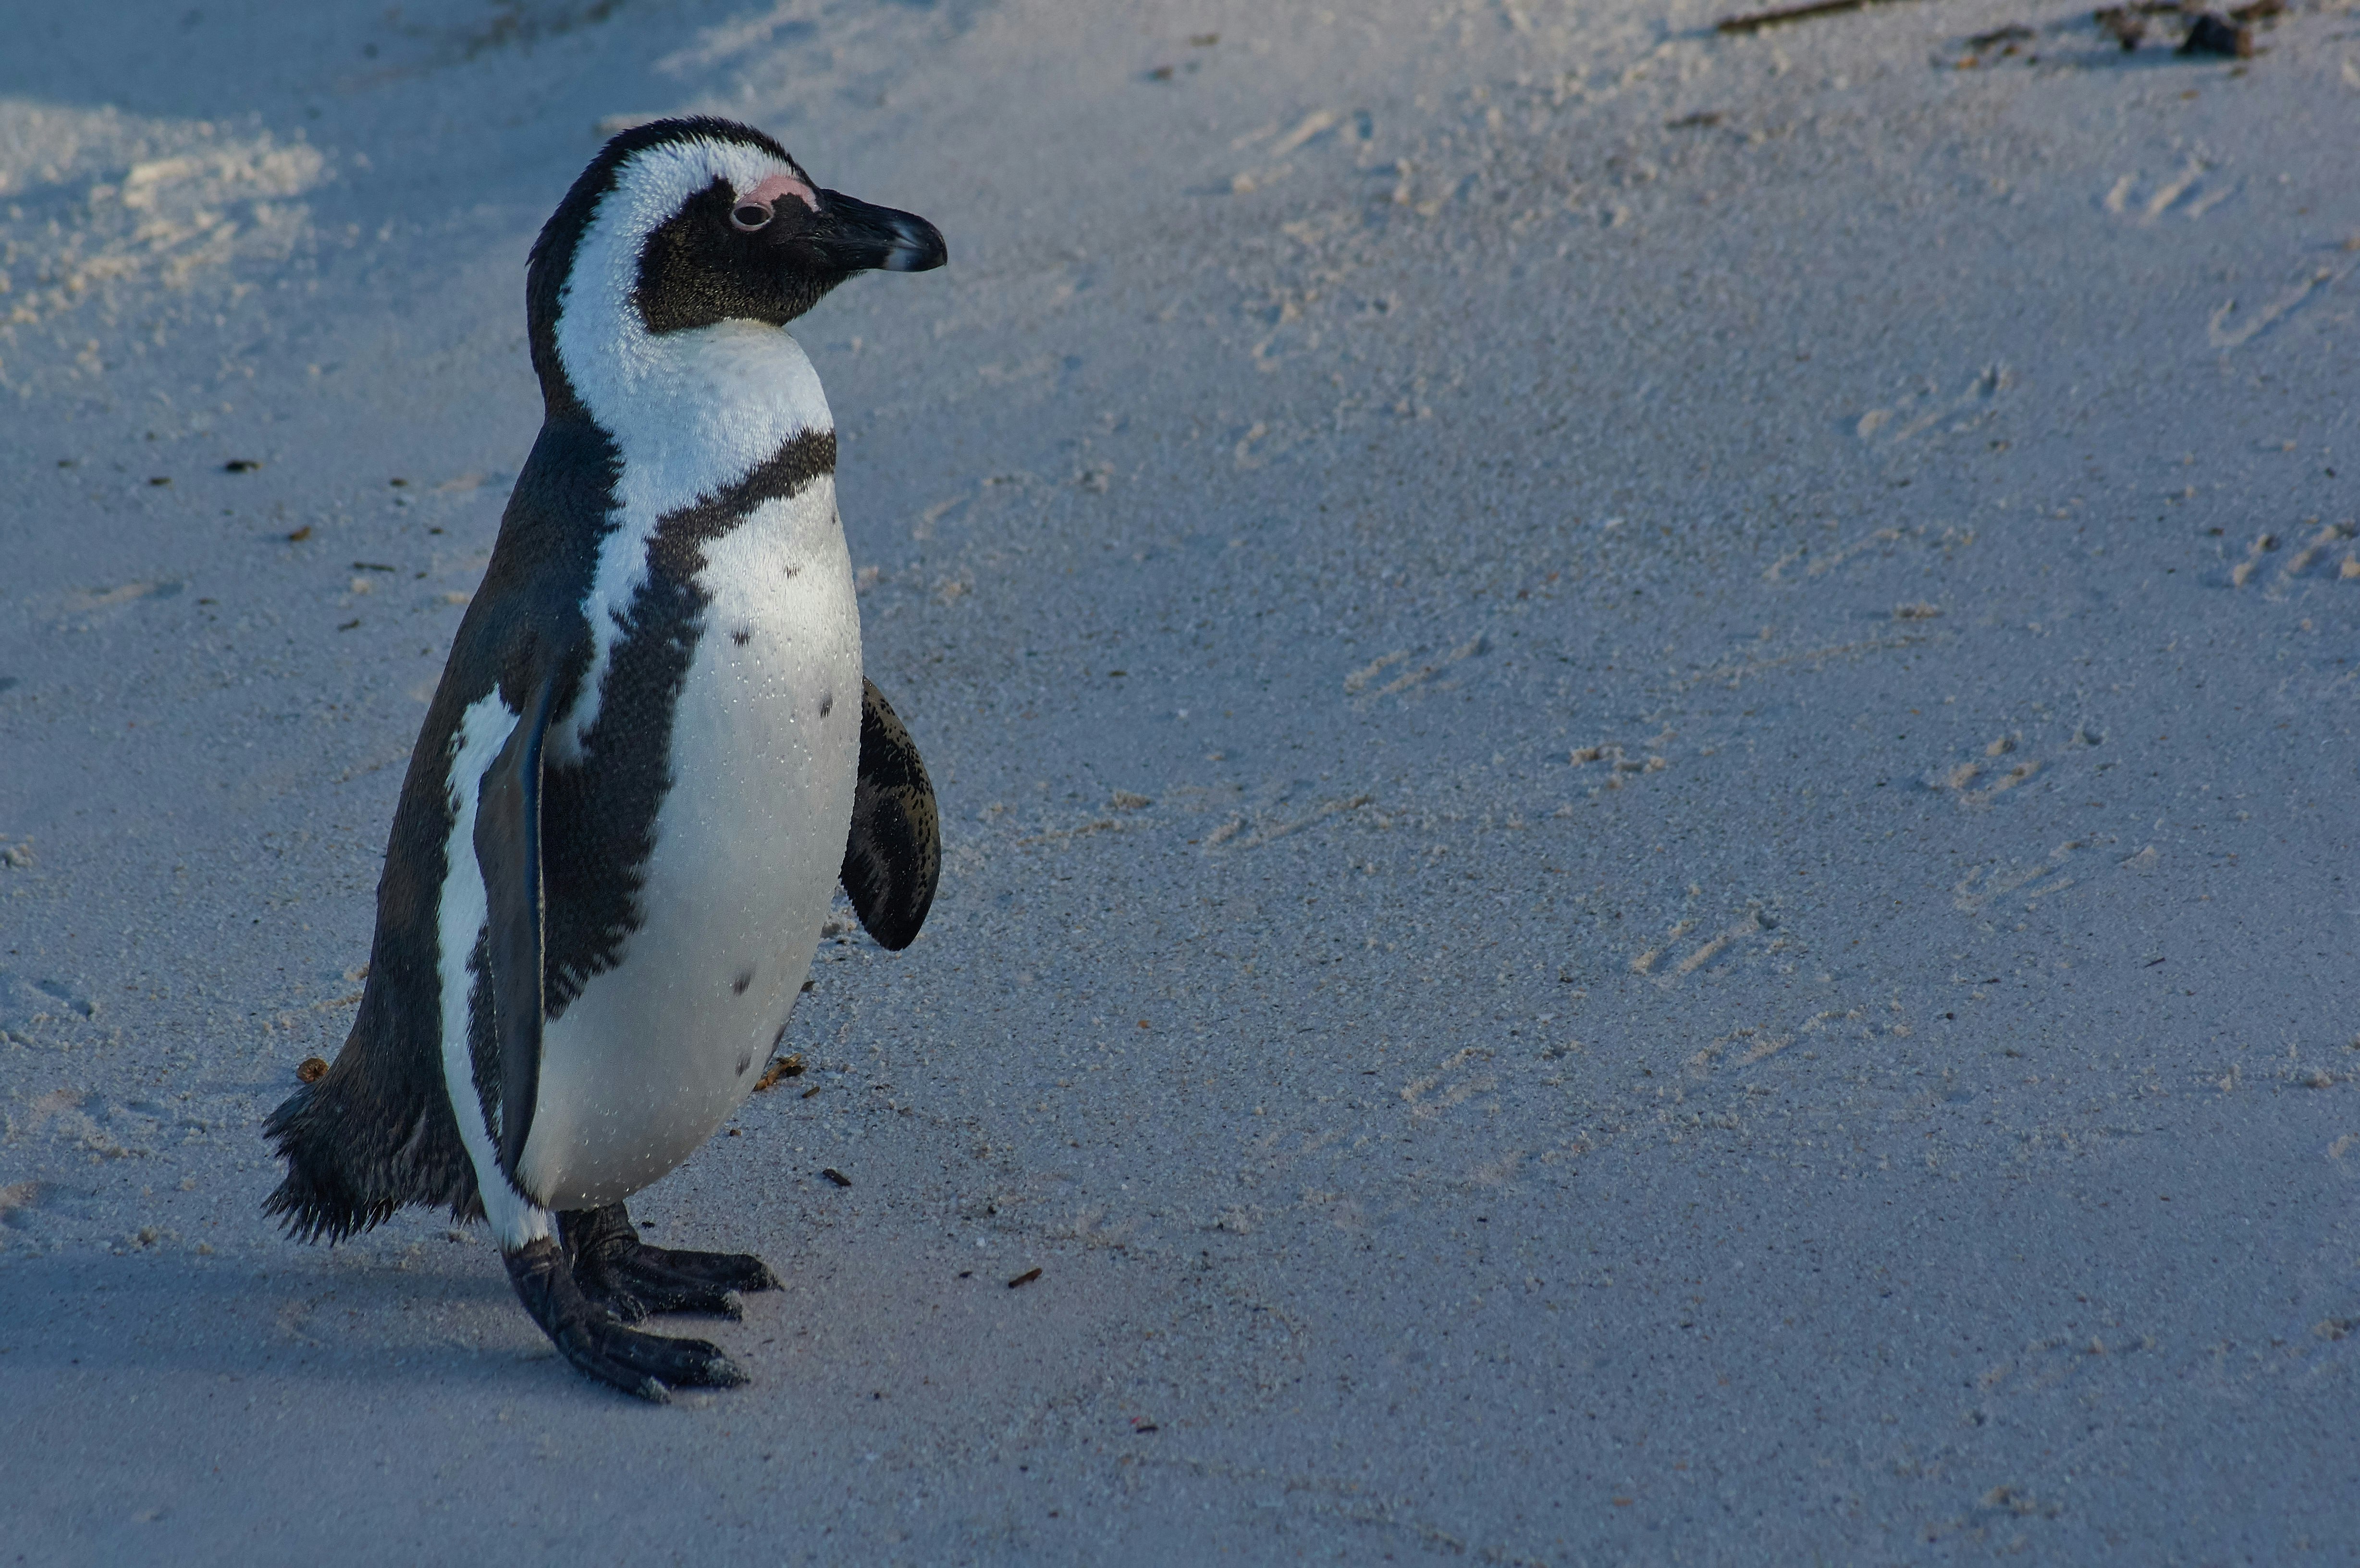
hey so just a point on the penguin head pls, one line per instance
(686, 223)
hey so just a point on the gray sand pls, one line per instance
(1647, 814)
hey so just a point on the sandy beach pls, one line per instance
(1646, 740)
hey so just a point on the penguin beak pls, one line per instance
(858, 237)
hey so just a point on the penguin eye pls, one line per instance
(748, 216)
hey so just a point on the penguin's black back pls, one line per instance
(376, 1131)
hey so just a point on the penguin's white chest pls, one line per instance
(747, 844)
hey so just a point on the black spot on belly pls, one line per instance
(826, 704)
(743, 1063)
(745, 978)
(742, 635)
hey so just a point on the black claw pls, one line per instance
(587, 1334)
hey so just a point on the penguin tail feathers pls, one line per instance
(351, 1165)
(319, 1200)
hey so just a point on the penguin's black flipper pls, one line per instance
(894, 856)
(507, 851)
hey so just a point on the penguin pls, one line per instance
(651, 757)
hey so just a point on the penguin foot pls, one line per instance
(586, 1334)
(631, 1279)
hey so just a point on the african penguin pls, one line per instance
(651, 757)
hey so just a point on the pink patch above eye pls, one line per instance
(767, 194)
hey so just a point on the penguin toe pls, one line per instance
(678, 1363)
(720, 1271)
(633, 1286)
(594, 1353)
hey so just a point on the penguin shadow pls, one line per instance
(433, 1317)
(904, 1332)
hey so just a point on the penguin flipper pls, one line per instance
(894, 856)
(507, 852)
